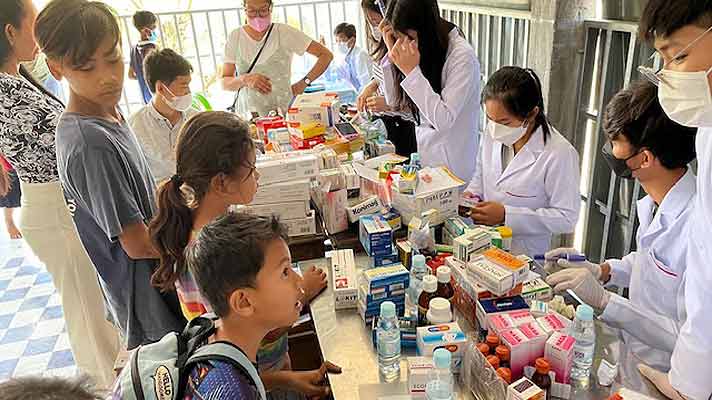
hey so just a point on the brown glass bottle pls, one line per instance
(430, 286)
(445, 289)
(541, 376)
(505, 374)
(493, 361)
(492, 341)
(502, 352)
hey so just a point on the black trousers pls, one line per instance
(402, 133)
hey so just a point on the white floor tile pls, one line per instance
(32, 365)
(62, 343)
(12, 350)
(40, 290)
(48, 328)
(21, 282)
(29, 317)
(10, 307)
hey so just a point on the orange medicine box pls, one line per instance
(519, 268)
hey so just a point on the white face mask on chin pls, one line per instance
(506, 134)
(686, 97)
(179, 103)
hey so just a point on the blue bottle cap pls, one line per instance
(418, 260)
(388, 309)
(584, 312)
(442, 358)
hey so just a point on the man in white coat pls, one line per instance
(646, 145)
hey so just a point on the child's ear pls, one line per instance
(240, 303)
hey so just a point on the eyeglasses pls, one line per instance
(262, 12)
(653, 75)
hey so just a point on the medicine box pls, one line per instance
(494, 278)
(524, 389)
(393, 218)
(536, 340)
(382, 261)
(456, 226)
(446, 336)
(286, 210)
(502, 305)
(518, 345)
(554, 322)
(376, 235)
(305, 166)
(301, 226)
(369, 312)
(536, 289)
(331, 179)
(343, 279)
(404, 252)
(282, 192)
(500, 323)
(359, 208)
(521, 317)
(318, 107)
(391, 278)
(559, 350)
(472, 243)
(508, 261)
(418, 370)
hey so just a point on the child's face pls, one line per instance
(100, 80)
(22, 41)
(241, 186)
(277, 296)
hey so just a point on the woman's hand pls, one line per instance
(259, 82)
(367, 92)
(299, 87)
(377, 104)
(405, 55)
(389, 35)
(488, 213)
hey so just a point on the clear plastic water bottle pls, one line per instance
(388, 342)
(418, 270)
(439, 386)
(584, 332)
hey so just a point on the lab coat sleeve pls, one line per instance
(363, 66)
(655, 330)
(561, 187)
(620, 270)
(442, 110)
(476, 185)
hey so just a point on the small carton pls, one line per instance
(554, 322)
(286, 210)
(521, 317)
(536, 289)
(508, 261)
(559, 350)
(502, 305)
(359, 208)
(496, 279)
(538, 308)
(408, 180)
(302, 226)
(304, 166)
(472, 243)
(456, 226)
(392, 279)
(518, 345)
(319, 108)
(393, 218)
(343, 279)
(333, 209)
(447, 336)
(524, 389)
(500, 323)
(404, 252)
(537, 340)
(333, 179)
(279, 193)
(418, 370)
(376, 235)
(306, 131)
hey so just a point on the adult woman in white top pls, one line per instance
(527, 174)
(437, 81)
(267, 87)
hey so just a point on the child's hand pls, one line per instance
(313, 383)
(314, 283)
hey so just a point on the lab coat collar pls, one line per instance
(525, 158)
(676, 201)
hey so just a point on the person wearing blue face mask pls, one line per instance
(145, 23)
(355, 63)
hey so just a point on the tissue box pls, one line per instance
(287, 169)
(524, 389)
(559, 350)
(505, 260)
(518, 345)
(279, 193)
(343, 279)
(494, 278)
(376, 235)
(418, 370)
(360, 208)
(302, 226)
(554, 322)
(446, 336)
(536, 340)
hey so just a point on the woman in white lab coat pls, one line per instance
(644, 145)
(527, 174)
(437, 81)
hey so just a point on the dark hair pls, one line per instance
(164, 65)
(345, 29)
(377, 49)
(664, 17)
(228, 253)
(519, 90)
(423, 16)
(636, 114)
(49, 388)
(74, 29)
(209, 144)
(11, 13)
(144, 19)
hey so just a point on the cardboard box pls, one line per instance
(559, 350)
(376, 235)
(404, 252)
(343, 279)
(494, 306)
(418, 370)
(285, 211)
(352, 179)
(332, 179)
(287, 169)
(357, 209)
(537, 289)
(393, 218)
(299, 143)
(333, 210)
(447, 336)
(536, 340)
(441, 194)
(492, 277)
(382, 261)
(554, 322)
(518, 345)
(282, 192)
(474, 242)
(321, 107)
(524, 389)
(456, 226)
(500, 323)
(506, 260)
(278, 135)
(521, 317)
(302, 226)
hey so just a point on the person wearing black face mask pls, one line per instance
(643, 144)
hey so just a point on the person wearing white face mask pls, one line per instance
(527, 173)
(681, 31)
(157, 124)
(355, 63)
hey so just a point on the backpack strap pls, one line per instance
(228, 353)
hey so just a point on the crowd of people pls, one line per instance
(130, 213)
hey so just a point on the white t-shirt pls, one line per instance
(240, 46)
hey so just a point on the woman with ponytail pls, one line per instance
(527, 173)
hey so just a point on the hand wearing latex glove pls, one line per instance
(582, 282)
(594, 269)
(661, 382)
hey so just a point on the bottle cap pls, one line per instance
(430, 283)
(505, 231)
(483, 348)
(442, 358)
(505, 374)
(493, 361)
(414, 157)
(584, 312)
(418, 261)
(388, 309)
(444, 274)
(439, 305)
(502, 352)
(492, 340)
(616, 396)
(542, 365)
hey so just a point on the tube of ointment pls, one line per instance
(568, 257)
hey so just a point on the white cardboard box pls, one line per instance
(442, 193)
(285, 211)
(302, 226)
(343, 279)
(368, 206)
(418, 370)
(279, 193)
(288, 169)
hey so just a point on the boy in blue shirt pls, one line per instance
(145, 23)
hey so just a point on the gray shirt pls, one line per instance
(108, 185)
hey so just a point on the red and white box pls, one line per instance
(537, 340)
(559, 351)
(554, 322)
(518, 345)
(500, 323)
(521, 317)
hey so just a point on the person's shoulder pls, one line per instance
(139, 115)
(556, 142)
(77, 132)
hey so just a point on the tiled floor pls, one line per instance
(33, 338)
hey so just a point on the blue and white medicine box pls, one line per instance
(376, 235)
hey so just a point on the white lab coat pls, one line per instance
(650, 320)
(356, 68)
(539, 188)
(448, 133)
(691, 372)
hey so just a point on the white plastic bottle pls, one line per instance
(584, 332)
(388, 342)
(418, 270)
(439, 386)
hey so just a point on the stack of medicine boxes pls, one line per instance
(309, 116)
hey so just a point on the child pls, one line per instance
(239, 262)
(103, 171)
(215, 169)
(50, 388)
(145, 23)
(9, 197)
(157, 123)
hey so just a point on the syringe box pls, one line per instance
(344, 279)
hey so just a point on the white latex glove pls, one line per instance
(580, 280)
(661, 382)
(594, 269)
